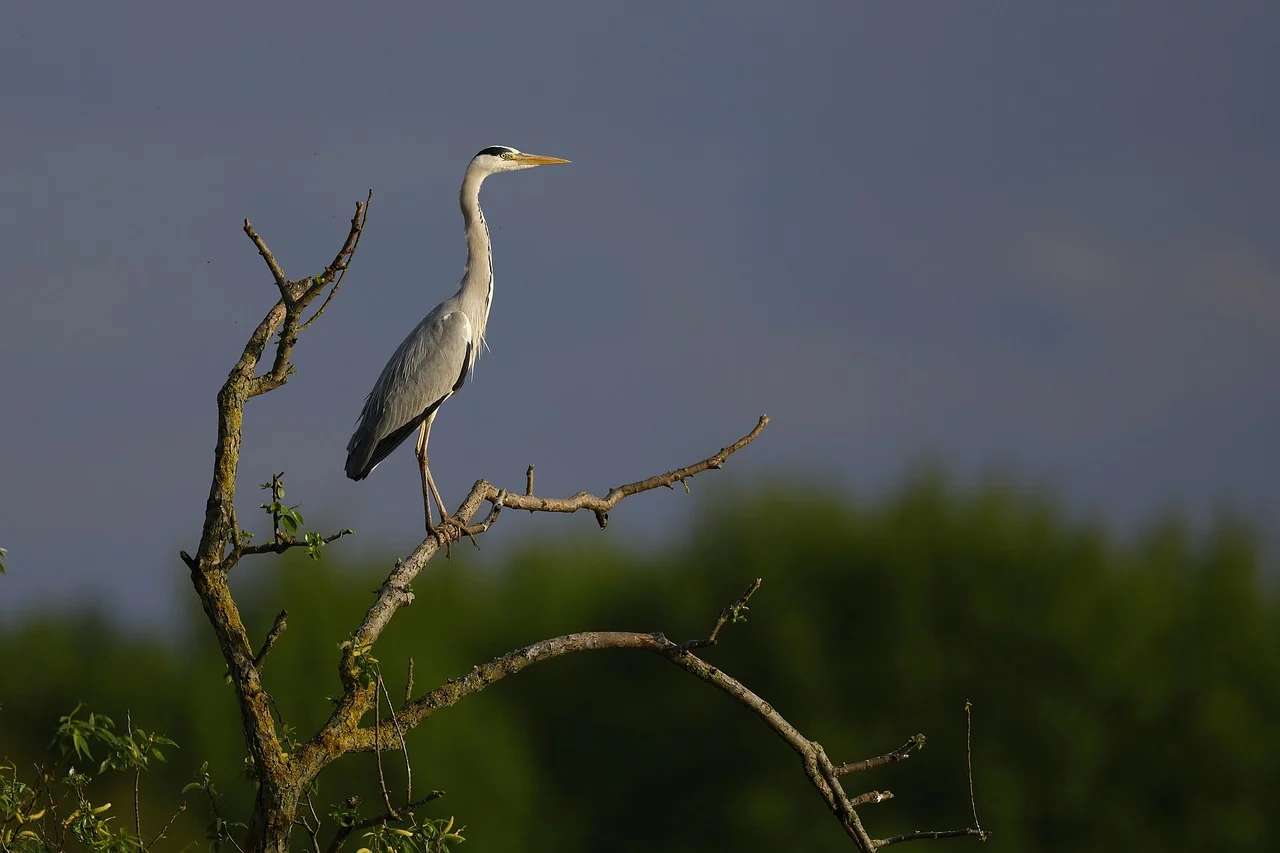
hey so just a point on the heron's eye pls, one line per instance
(507, 155)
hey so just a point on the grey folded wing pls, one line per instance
(426, 369)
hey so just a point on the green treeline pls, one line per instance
(1126, 696)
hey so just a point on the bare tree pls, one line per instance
(284, 775)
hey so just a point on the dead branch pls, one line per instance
(900, 754)
(270, 259)
(932, 835)
(277, 801)
(277, 628)
(337, 270)
(968, 751)
(485, 491)
(821, 772)
(394, 593)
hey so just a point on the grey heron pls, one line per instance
(432, 363)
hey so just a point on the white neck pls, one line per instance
(476, 290)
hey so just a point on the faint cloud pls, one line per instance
(1134, 288)
(1184, 330)
(1241, 283)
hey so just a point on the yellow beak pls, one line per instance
(539, 160)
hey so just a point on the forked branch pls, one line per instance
(499, 498)
(395, 594)
(295, 296)
(279, 547)
(334, 738)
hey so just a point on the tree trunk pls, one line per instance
(273, 814)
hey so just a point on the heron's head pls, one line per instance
(501, 158)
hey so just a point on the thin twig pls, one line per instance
(279, 547)
(528, 482)
(277, 628)
(182, 807)
(968, 749)
(137, 781)
(931, 835)
(377, 750)
(408, 683)
(276, 272)
(315, 832)
(311, 806)
(870, 798)
(59, 826)
(343, 259)
(732, 613)
(900, 754)
(408, 769)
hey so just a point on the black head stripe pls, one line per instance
(496, 150)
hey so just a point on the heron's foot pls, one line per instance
(445, 539)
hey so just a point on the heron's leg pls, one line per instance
(428, 486)
(429, 489)
(435, 493)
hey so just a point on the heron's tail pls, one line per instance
(358, 457)
(364, 452)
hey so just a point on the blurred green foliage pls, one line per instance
(1125, 694)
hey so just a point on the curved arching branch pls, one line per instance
(819, 769)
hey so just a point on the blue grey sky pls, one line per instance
(1034, 237)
